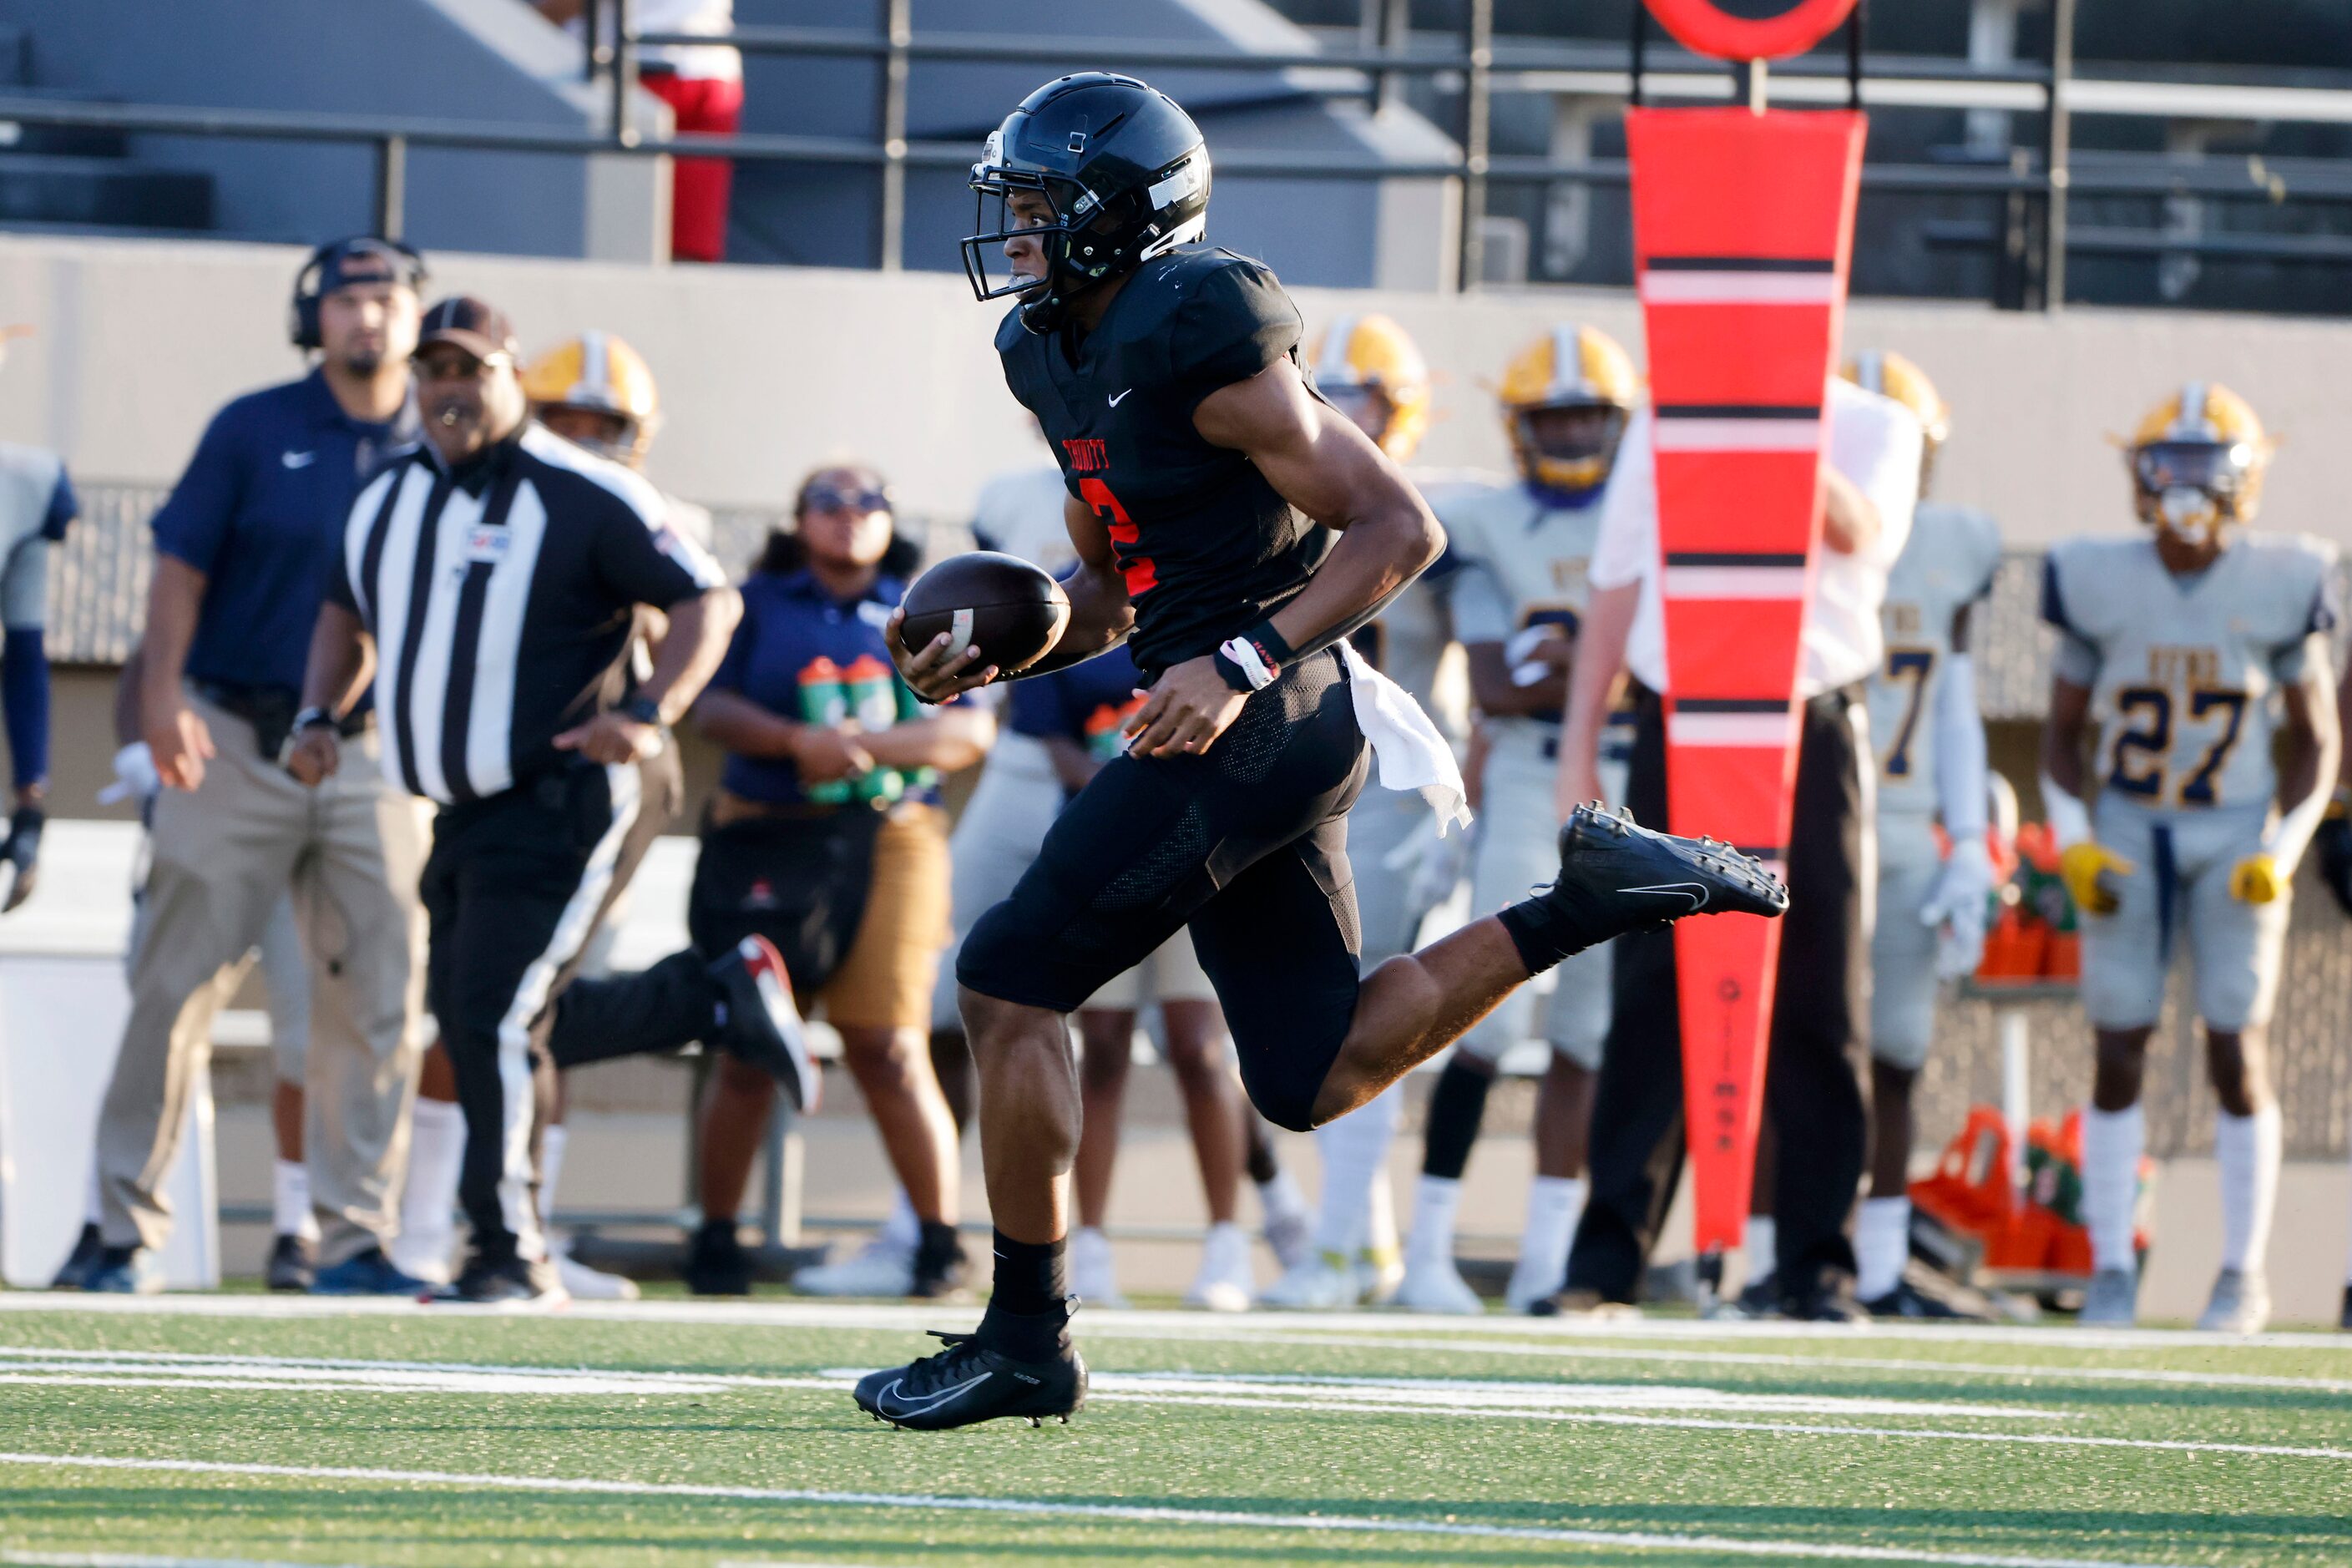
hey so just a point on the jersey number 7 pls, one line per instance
(1914, 664)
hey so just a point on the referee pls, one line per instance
(1815, 1091)
(492, 575)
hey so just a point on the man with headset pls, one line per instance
(243, 550)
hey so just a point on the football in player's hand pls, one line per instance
(1012, 611)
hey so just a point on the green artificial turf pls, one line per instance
(1666, 1430)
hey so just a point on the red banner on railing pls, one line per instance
(1742, 226)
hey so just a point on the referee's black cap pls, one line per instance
(475, 325)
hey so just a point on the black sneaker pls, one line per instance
(74, 1273)
(1908, 1301)
(762, 1026)
(2345, 1322)
(716, 1263)
(968, 1382)
(293, 1264)
(504, 1281)
(1823, 1304)
(369, 1272)
(1614, 870)
(938, 1265)
(1758, 1298)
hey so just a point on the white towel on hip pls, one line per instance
(1407, 749)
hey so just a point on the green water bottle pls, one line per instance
(873, 691)
(824, 702)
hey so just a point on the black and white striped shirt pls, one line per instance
(501, 598)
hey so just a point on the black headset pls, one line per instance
(302, 320)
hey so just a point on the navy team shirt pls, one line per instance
(788, 623)
(261, 512)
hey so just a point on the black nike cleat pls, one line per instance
(968, 1382)
(1615, 868)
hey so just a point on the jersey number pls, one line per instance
(1141, 576)
(2147, 712)
(1914, 664)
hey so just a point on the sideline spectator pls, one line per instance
(243, 549)
(703, 85)
(827, 836)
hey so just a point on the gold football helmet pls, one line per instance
(2196, 461)
(1366, 367)
(1890, 374)
(1565, 398)
(596, 374)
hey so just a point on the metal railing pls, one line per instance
(2031, 231)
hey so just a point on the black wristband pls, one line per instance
(312, 718)
(1271, 646)
(1236, 676)
(644, 710)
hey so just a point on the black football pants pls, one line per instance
(515, 888)
(1817, 1069)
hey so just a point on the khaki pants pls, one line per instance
(224, 856)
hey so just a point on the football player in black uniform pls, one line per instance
(1233, 529)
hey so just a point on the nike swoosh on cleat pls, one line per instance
(1114, 402)
(923, 1407)
(1691, 890)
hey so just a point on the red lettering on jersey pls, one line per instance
(1141, 575)
(1087, 455)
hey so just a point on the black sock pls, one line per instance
(938, 1249)
(1261, 1163)
(1558, 923)
(1031, 1277)
(1455, 1108)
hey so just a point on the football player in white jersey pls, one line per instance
(37, 503)
(2190, 658)
(1930, 739)
(1368, 368)
(1516, 600)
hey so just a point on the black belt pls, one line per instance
(273, 707)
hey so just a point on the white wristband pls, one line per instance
(1244, 654)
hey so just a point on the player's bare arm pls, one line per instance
(341, 662)
(1319, 461)
(2063, 735)
(1607, 622)
(2310, 752)
(1495, 687)
(818, 752)
(689, 655)
(1100, 618)
(1850, 519)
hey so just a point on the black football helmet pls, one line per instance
(1126, 172)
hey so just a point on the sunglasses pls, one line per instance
(825, 497)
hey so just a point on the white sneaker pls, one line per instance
(1094, 1273)
(1534, 1279)
(2113, 1300)
(1436, 1286)
(1224, 1284)
(1379, 1276)
(1289, 1233)
(588, 1284)
(2241, 1304)
(880, 1267)
(1321, 1284)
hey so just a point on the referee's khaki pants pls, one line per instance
(224, 854)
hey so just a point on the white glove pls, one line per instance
(1957, 905)
(134, 775)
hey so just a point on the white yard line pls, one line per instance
(1053, 1509)
(1348, 1325)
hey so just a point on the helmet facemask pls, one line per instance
(2195, 490)
(1568, 447)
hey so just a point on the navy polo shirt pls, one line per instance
(261, 512)
(789, 623)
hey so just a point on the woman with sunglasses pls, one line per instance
(825, 836)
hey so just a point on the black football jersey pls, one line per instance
(1208, 547)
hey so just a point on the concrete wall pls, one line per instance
(764, 372)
